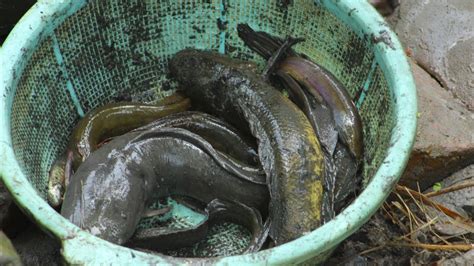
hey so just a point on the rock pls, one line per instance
(464, 175)
(440, 35)
(8, 255)
(445, 137)
(469, 211)
(463, 259)
(456, 201)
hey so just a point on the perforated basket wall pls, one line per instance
(107, 49)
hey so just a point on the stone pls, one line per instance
(445, 137)
(440, 35)
(456, 200)
(463, 259)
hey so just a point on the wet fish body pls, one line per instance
(288, 148)
(222, 136)
(110, 190)
(221, 210)
(239, 157)
(115, 119)
(321, 83)
(315, 110)
(110, 120)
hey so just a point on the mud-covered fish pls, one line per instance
(220, 134)
(287, 146)
(236, 154)
(107, 121)
(341, 166)
(319, 82)
(108, 193)
(341, 162)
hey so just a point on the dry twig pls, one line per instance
(452, 188)
(426, 200)
(452, 247)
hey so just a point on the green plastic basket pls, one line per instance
(65, 58)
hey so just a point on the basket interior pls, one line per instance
(113, 48)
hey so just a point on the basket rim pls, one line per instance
(80, 247)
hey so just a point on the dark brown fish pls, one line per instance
(319, 115)
(318, 81)
(341, 163)
(107, 121)
(321, 83)
(223, 137)
(108, 193)
(288, 148)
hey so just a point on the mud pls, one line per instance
(375, 233)
(37, 248)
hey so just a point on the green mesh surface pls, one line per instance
(114, 48)
(223, 239)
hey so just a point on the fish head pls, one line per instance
(191, 66)
(202, 66)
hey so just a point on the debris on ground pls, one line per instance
(417, 228)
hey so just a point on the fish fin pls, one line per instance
(272, 63)
(332, 142)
